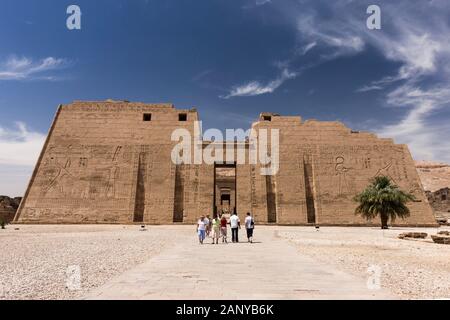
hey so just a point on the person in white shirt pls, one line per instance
(249, 226)
(235, 224)
(207, 222)
(201, 227)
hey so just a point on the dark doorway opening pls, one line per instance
(225, 189)
(225, 197)
(309, 190)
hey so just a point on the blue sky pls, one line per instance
(231, 60)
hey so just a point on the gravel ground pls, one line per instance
(37, 261)
(410, 269)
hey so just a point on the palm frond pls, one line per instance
(382, 197)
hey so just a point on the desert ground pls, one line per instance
(164, 262)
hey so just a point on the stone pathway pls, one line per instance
(270, 268)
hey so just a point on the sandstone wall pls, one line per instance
(324, 164)
(102, 163)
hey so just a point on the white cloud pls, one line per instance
(255, 3)
(343, 41)
(335, 32)
(19, 146)
(262, 2)
(426, 140)
(415, 34)
(304, 50)
(254, 88)
(14, 180)
(19, 151)
(22, 68)
(367, 88)
(422, 45)
(202, 74)
(417, 52)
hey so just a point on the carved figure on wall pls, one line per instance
(113, 176)
(385, 171)
(111, 184)
(116, 153)
(367, 163)
(83, 162)
(341, 172)
(56, 175)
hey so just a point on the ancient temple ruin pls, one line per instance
(110, 162)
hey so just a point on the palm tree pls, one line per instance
(383, 198)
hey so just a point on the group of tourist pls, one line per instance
(218, 225)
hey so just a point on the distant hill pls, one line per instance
(435, 179)
(434, 175)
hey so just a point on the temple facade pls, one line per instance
(113, 162)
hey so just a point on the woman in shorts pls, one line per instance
(216, 229)
(201, 229)
(223, 228)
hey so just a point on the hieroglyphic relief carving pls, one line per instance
(80, 182)
(55, 176)
(112, 180)
(114, 172)
(367, 164)
(385, 171)
(93, 178)
(83, 162)
(196, 184)
(341, 172)
(116, 153)
(253, 200)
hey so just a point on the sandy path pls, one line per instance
(271, 268)
(167, 262)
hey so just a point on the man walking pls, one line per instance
(235, 224)
(249, 226)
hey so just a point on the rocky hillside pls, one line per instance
(435, 179)
(8, 207)
(434, 175)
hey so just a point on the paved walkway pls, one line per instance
(270, 268)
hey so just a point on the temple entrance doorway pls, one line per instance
(224, 201)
